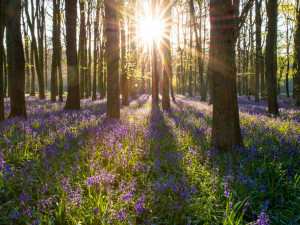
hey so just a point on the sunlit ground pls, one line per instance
(149, 167)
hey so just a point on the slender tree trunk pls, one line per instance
(54, 52)
(46, 60)
(258, 23)
(270, 57)
(297, 53)
(37, 61)
(288, 61)
(82, 40)
(32, 83)
(5, 74)
(2, 26)
(101, 80)
(27, 59)
(190, 56)
(60, 78)
(124, 79)
(73, 98)
(15, 54)
(155, 97)
(89, 55)
(226, 130)
(112, 50)
(167, 69)
(96, 38)
(41, 27)
(239, 67)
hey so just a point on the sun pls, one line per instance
(150, 30)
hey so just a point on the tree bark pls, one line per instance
(124, 78)
(82, 47)
(54, 52)
(32, 82)
(96, 39)
(297, 53)
(73, 98)
(2, 26)
(37, 60)
(226, 131)
(167, 59)
(271, 67)
(60, 78)
(112, 49)
(16, 59)
(258, 61)
(155, 97)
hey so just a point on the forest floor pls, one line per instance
(149, 167)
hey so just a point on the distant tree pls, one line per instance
(82, 48)
(73, 98)
(155, 97)
(271, 66)
(59, 55)
(258, 61)
(112, 49)
(167, 63)
(16, 59)
(36, 51)
(55, 50)
(96, 37)
(225, 26)
(297, 53)
(124, 78)
(191, 24)
(2, 25)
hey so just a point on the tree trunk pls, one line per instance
(155, 97)
(270, 57)
(297, 52)
(124, 79)
(60, 78)
(32, 82)
(37, 61)
(40, 30)
(112, 49)
(2, 25)
(96, 37)
(82, 41)
(73, 98)
(15, 54)
(258, 23)
(54, 52)
(89, 55)
(167, 69)
(190, 55)
(288, 61)
(226, 131)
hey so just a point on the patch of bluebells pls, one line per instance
(144, 166)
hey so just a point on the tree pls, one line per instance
(225, 26)
(2, 25)
(258, 58)
(297, 53)
(73, 98)
(38, 66)
(16, 59)
(82, 48)
(155, 97)
(112, 49)
(124, 78)
(96, 37)
(55, 51)
(271, 67)
(167, 69)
